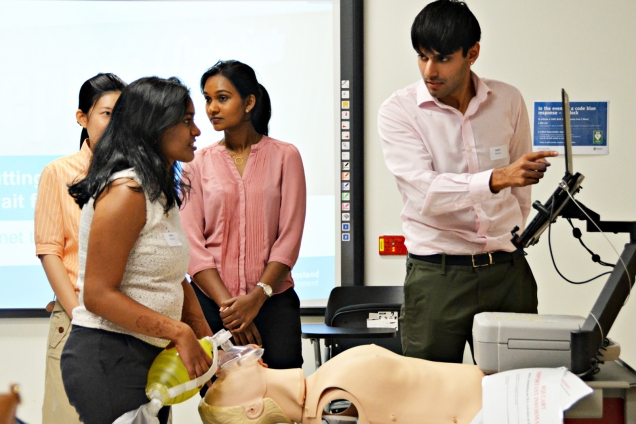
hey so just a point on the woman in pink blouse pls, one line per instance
(245, 219)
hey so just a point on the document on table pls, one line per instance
(529, 396)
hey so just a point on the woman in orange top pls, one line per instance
(57, 219)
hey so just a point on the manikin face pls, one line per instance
(177, 142)
(447, 77)
(223, 104)
(98, 116)
(254, 394)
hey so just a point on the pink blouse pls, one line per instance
(239, 224)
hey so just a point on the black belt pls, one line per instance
(476, 261)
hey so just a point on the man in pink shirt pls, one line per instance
(460, 149)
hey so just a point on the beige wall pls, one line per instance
(585, 46)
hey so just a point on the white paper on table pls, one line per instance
(572, 389)
(509, 386)
(524, 396)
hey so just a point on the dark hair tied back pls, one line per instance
(93, 89)
(243, 77)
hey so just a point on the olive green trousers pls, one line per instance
(441, 300)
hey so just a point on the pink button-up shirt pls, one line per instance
(442, 162)
(239, 224)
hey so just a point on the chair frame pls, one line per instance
(352, 299)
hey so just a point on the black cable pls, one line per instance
(552, 255)
(576, 233)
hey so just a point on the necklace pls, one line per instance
(238, 160)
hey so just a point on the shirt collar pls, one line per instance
(263, 141)
(481, 88)
(86, 151)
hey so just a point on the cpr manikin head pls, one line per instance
(248, 392)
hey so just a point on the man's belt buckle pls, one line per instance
(490, 262)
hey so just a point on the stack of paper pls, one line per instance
(529, 396)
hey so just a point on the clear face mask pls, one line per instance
(235, 356)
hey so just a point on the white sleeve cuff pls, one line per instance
(479, 187)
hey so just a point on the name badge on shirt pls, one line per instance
(172, 239)
(499, 152)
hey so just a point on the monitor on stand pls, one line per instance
(571, 181)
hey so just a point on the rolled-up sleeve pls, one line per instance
(48, 221)
(292, 212)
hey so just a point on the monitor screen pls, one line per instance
(567, 132)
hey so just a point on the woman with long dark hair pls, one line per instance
(245, 218)
(56, 230)
(134, 299)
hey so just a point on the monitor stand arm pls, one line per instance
(586, 342)
(548, 212)
(574, 212)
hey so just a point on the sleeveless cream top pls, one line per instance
(155, 269)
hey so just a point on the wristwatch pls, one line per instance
(266, 288)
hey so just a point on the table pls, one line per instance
(613, 400)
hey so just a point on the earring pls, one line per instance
(247, 111)
(472, 63)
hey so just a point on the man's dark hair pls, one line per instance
(445, 26)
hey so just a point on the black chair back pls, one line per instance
(350, 306)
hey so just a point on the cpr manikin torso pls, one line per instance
(382, 386)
